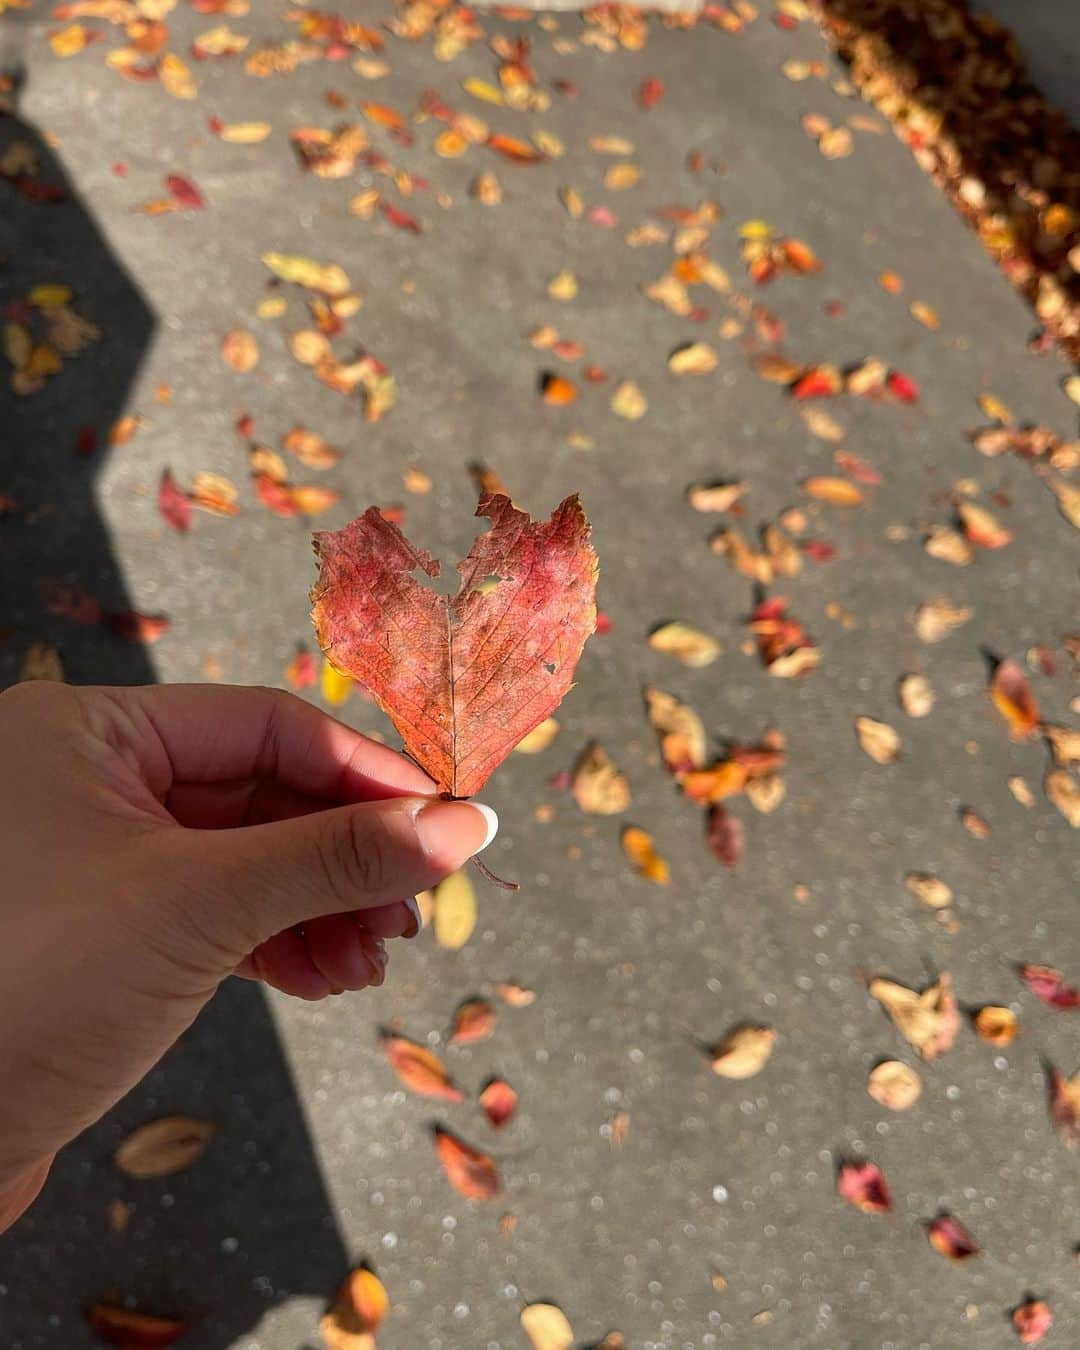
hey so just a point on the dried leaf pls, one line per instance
(239, 350)
(1011, 695)
(1068, 499)
(173, 503)
(931, 891)
(996, 1024)
(949, 1237)
(539, 738)
(929, 1020)
(981, 528)
(1049, 986)
(1064, 1105)
(358, 1310)
(557, 390)
(175, 77)
(838, 491)
(546, 1327)
(41, 661)
(469, 1171)
(499, 1101)
(639, 848)
(977, 826)
(937, 618)
(628, 401)
(863, 1185)
(681, 731)
(420, 1069)
(474, 1020)
(164, 1146)
(599, 788)
(326, 278)
(714, 496)
(455, 911)
(430, 661)
(133, 1330)
(696, 358)
(301, 672)
(880, 741)
(725, 836)
(1064, 743)
(1062, 792)
(242, 133)
(689, 644)
(1033, 1319)
(619, 177)
(744, 1052)
(895, 1085)
(916, 695)
(515, 150)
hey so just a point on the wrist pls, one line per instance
(19, 1188)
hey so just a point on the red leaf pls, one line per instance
(469, 1171)
(1011, 695)
(818, 550)
(173, 503)
(949, 1237)
(725, 836)
(818, 382)
(902, 387)
(651, 92)
(132, 626)
(278, 497)
(463, 678)
(473, 1021)
(85, 440)
(133, 1330)
(499, 1101)
(863, 1185)
(603, 623)
(420, 1069)
(1049, 985)
(399, 218)
(72, 602)
(184, 191)
(301, 672)
(1032, 1321)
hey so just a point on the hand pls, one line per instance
(154, 841)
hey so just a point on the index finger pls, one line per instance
(217, 733)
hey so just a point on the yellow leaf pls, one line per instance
(176, 77)
(619, 177)
(563, 286)
(993, 407)
(880, 741)
(744, 1052)
(925, 315)
(692, 647)
(336, 687)
(50, 296)
(628, 401)
(327, 278)
(756, 229)
(599, 788)
(539, 738)
(486, 93)
(1071, 386)
(244, 133)
(838, 491)
(546, 1327)
(69, 41)
(696, 358)
(455, 911)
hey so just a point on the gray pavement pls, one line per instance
(321, 1157)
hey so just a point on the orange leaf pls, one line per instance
(1011, 695)
(473, 1021)
(359, 1308)
(863, 1185)
(463, 678)
(499, 1101)
(420, 1069)
(469, 1171)
(838, 491)
(383, 116)
(651, 92)
(817, 382)
(1032, 1321)
(557, 390)
(639, 848)
(310, 500)
(133, 1330)
(981, 527)
(521, 152)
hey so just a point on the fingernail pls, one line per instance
(450, 832)
(417, 918)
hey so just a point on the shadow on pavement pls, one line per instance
(251, 1223)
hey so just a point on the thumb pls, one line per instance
(256, 881)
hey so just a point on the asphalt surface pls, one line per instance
(321, 1157)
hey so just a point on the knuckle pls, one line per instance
(359, 857)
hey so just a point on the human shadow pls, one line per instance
(250, 1223)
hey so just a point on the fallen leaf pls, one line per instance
(546, 1327)
(239, 350)
(982, 528)
(928, 1020)
(557, 390)
(949, 1237)
(880, 741)
(1063, 793)
(599, 788)
(420, 1069)
(358, 1310)
(714, 496)
(931, 891)
(563, 286)
(469, 1171)
(1068, 499)
(743, 1052)
(975, 824)
(441, 667)
(326, 278)
(995, 1024)
(696, 358)
(628, 401)
(863, 1185)
(725, 836)
(455, 911)
(241, 133)
(516, 995)
(1064, 743)
(539, 738)
(916, 695)
(638, 846)
(837, 491)
(689, 644)
(937, 618)
(133, 1330)
(1018, 786)
(895, 1085)
(681, 731)
(175, 77)
(41, 661)
(301, 672)
(1011, 695)
(173, 503)
(1033, 1319)
(925, 314)
(619, 177)
(474, 1020)
(1049, 986)
(994, 408)
(515, 150)
(499, 1102)
(163, 1147)
(1064, 1105)
(650, 92)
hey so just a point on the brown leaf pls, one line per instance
(681, 731)
(1011, 695)
(689, 644)
(743, 1052)
(894, 1085)
(725, 836)
(929, 1020)
(469, 1171)
(598, 786)
(949, 1237)
(499, 1101)
(474, 1020)
(863, 1185)
(880, 741)
(133, 1330)
(420, 1069)
(163, 1147)
(463, 678)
